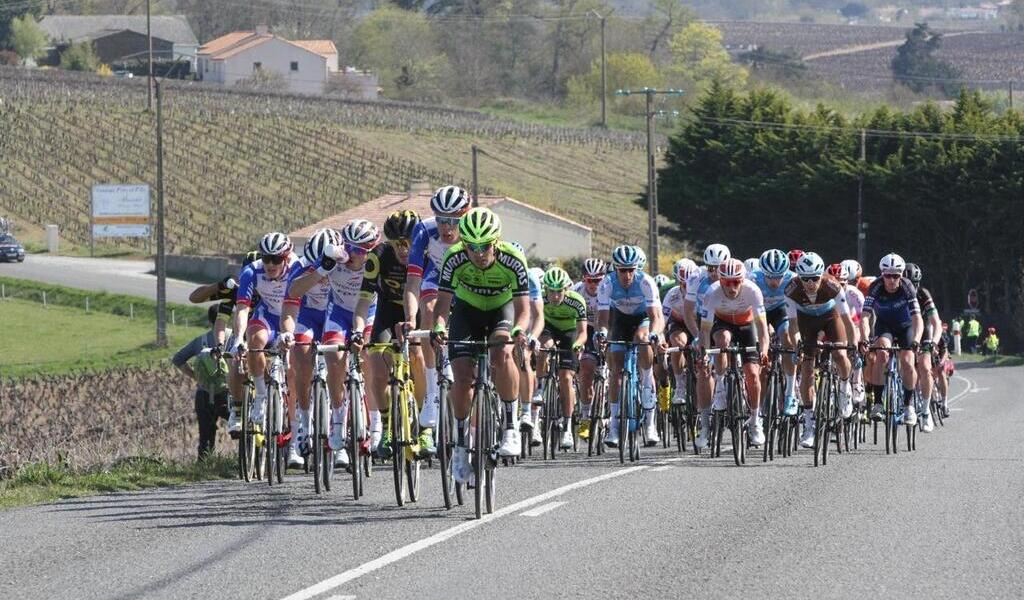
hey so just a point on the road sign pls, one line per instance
(120, 211)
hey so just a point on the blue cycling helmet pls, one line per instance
(626, 257)
(774, 262)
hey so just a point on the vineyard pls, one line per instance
(87, 419)
(804, 38)
(238, 164)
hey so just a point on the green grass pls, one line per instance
(38, 483)
(540, 113)
(1001, 360)
(59, 339)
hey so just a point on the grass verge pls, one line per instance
(39, 483)
(1001, 360)
(58, 339)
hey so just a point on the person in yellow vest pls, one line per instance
(991, 342)
(973, 332)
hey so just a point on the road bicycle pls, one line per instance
(598, 408)
(250, 436)
(737, 412)
(828, 420)
(445, 434)
(776, 424)
(551, 409)
(892, 400)
(630, 406)
(681, 417)
(276, 438)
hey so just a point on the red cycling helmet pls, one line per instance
(838, 271)
(794, 255)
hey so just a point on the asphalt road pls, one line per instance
(132, 277)
(943, 522)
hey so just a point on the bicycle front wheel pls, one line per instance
(354, 442)
(398, 419)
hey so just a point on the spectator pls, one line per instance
(991, 342)
(973, 331)
(956, 327)
(210, 375)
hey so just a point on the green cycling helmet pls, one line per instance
(556, 279)
(479, 226)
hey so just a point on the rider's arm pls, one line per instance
(581, 333)
(604, 304)
(690, 314)
(243, 300)
(303, 283)
(936, 322)
(657, 319)
(362, 309)
(705, 333)
(523, 306)
(917, 327)
(412, 296)
(205, 293)
(441, 310)
(602, 319)
(536, 312)
(763, 337)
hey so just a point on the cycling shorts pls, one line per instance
(590, 351)
(810, 326)
(742, 335)
(469, 323)
(388, 315)
(338, 326)
(563, 340)
(778, 318)
(624, 327)
(901, 334)
(309, 326)
(676, 327)
(263, 319)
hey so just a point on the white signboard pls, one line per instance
(120, 211)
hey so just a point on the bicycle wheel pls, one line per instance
(323, 459)
(822, 399)
(412, 460)
(624, 408)
(549, 433)
(399, 417)
(769, 411)
(274, 425)
(494, 425)
(935, 409)
(479, 447)
(353, 444)
(597, 407)
(246, 448)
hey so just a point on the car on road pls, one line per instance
(10, 249)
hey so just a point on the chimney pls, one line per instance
(262, 30)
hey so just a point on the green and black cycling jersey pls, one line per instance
(384, 275)
(485, 289)
(564, 317)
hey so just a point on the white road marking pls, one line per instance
(977, 389)
(342, 598)
(410, 549)
(543, 508)
(672, 460)
(662, 468)
(970, 385)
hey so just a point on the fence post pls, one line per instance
(44, 299)
(172, 317)
(3, 291)
(131, 311)
(86, 304)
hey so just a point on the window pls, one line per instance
(295, 65)
(256, 66)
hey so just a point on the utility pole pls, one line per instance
(1011, 92)
(652, 175)
(861, 225)
(604, 71)
(149, 70)
(476, 200)
(161, 257)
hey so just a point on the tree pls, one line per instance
(623, 70)
(26, 38)
(79, 57)
(854, 10)
(700, 58)
(399, 45)
(916, 66)
(666, 18)
(9, 13)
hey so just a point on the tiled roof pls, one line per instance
(321, 47)
(230, 39)
(73, 28)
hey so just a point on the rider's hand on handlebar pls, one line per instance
(401, 330)
(438, 337)
(356, 340)
(862, 346)
(286, 340)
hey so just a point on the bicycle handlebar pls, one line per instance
(730, 349)
(834, 346)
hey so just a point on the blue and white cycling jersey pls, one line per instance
(773, 298)
(253, 279)
(427, 252)
(696, 287)
(535, 275)
(634, 300)
(317, 297)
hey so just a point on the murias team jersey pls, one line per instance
(740, 310)
(567, 314)
(485, 289)
(253, 280)
(829, 296)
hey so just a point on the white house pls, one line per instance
(306, 65)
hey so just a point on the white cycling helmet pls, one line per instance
(662, 280)
(314, 249)
(684, 269)
(751, 265)
(643, 258)
(275, 244)
(774, 262)
(731, 269)
(626, 257)
(892, 264)
(449, 200)
(716, 254)
(853, 270)
(594, 267)
(360, 232)
(810, 265)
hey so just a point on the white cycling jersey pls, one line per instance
(740, 310)
(855, 301)
(345, 286)
(580, 288)
(672, 305)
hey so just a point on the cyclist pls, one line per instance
(302, 320)
(930, 338)
(486, 278)
(268, 277)
(794, 257)
(343, 268)
(565, 326)
(818, 305)
(894, 318)
(628, 305)
(752, 265)
(431, 238)
(772, 278)
(594, 270)
(733, 312)
(677, 333)
(855, 304)
(664, 283)
(531, 397)
(384, 276)
(943, 370)
(696, 287)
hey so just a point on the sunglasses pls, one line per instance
(712, 267)
(447, 220)
(479, 248)
(892, 276)
(810, 279)
(593, 279)
(355, 250)
(731, 283)
(625, 269)
(273, 259)
(402, 244)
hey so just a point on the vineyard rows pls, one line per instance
(804, 38)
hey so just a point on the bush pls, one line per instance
(79, 57)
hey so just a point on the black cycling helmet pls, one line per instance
(399, 224)
(913, 273)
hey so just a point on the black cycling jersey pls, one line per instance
(384, 275)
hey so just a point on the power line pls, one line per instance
(877, 133)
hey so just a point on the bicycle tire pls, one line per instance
(494, 425)
(323, 462)
(398, 441)
(822, 401)
(480, 408)
(413, 462)
(623, 419)
(733, 416)
(355, 418)
(551, 416)
(272, 412)
(246, 449)
(594, 440)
